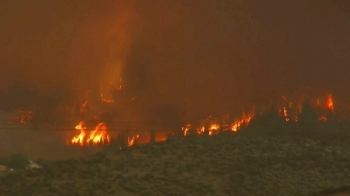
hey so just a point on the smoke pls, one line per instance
(200, 58)
(102, 47)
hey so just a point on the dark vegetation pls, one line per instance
(225, 164)
(268, 157)
(15, 161)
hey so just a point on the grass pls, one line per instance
(227, 164)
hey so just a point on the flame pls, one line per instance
(238, 123)
(80, 138)
(289, 111)
(131, 141)
(214, 128)
(186, 129)
(201, 130)
(285, 114)
(330, 103)
(97, 136)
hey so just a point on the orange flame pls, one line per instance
(214, 128)
(330, 103)
(201, 130)
(186, 129)
(238, 123)
(80, 138)
(98, 135)
(289, 112)
(131, 141)
(285, 114)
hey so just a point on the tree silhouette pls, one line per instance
(308, 116)
(169, 117)
(267, 121)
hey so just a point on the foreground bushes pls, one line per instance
(15, 161)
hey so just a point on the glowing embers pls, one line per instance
(97, 136)
(21, 117)
(285, 114)
(289, 114)
(322, 119)
(186, 129)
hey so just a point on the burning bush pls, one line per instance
(97, 136)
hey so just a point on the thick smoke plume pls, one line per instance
(193, 58)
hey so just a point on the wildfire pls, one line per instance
(285, 114)
(238, 123)
(131, 141)
(289, 112)
(201, 130)
(186, 129)
(79, 139)
(330, 103)
(214, 128)
(97, 136)
(210, 126)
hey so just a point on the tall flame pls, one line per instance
(96, 136)
(99, 135)
(80, 138)
(330, 103)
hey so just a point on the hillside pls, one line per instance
(227, 164)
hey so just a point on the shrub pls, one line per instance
(18, 161)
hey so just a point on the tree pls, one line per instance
(308, 116)
(170, 117)
(18, 161)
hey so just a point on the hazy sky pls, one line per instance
(210, 56)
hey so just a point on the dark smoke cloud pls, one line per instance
(200, 57)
